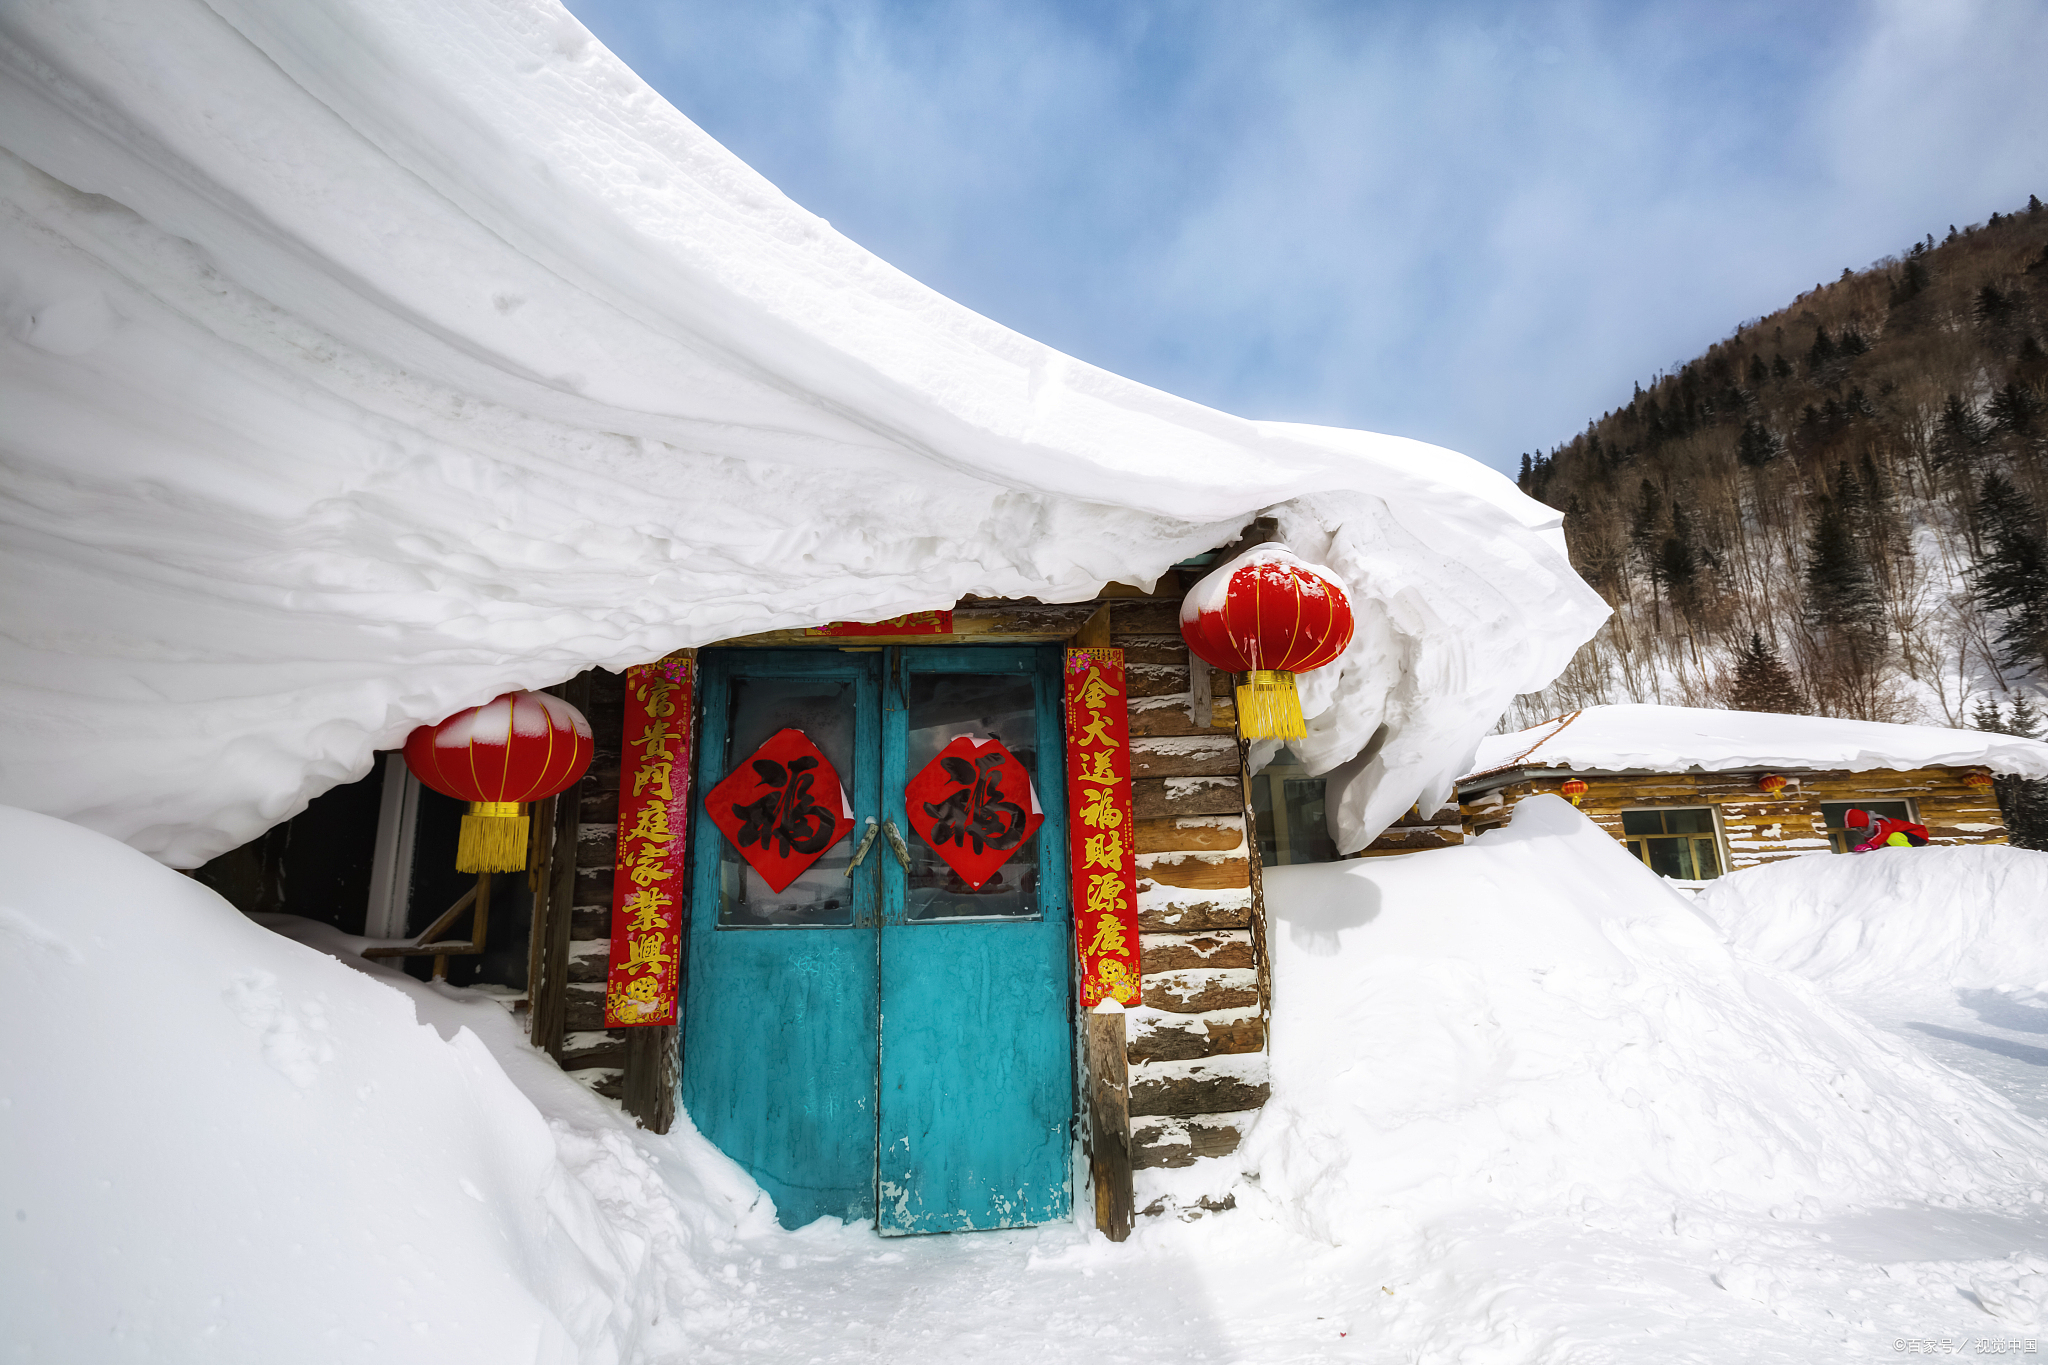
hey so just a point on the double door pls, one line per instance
(882, 1041)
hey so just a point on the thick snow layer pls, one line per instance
(1894, 921)
(1676, 739)
(1534, 1019)
(362, 359)
(1527, 1108)
(220, 1145)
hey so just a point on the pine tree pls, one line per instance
(1781, 368)
(1758, 445)
(1821, 352)
(1912, 279)
(1960, 433)
(1678, 561)
(2012, 409)
(2022, 801)
(1841, 600)
(1759, 373)
(2010, 580)
(1763, 683)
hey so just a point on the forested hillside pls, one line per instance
(1853, 486)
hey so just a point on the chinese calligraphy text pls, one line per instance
(647, 881)
(1104, 835)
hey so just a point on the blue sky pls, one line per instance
(1475, 224)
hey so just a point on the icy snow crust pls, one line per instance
(1527, 1107)
(1676, 739)
(362, 359)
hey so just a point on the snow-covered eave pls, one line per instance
(1500, 777)
(361, 360)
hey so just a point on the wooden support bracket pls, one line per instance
(1109, 1123)
(430, 944)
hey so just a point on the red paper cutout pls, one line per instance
(781, 808)
(974, 804)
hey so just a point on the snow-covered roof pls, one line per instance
(1676, 739)
(363, 359)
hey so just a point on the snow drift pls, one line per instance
(1893, 920)
(1534, 1020)
(361, 359)
(221, 1145)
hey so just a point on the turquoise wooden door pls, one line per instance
(976, 1034)
(779, 1006)
(891, 1045)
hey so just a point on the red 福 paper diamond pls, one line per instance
(974, 805)
(782, 808)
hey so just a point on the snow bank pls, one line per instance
(1671, 739)
(1533, 1020)
(218, 1144)
(362, 359)
(1894, 920)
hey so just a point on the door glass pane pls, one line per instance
(941, 708)
(823, 709)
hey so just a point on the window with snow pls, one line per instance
(1679, 843)
(1293, 821)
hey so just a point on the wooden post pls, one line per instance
(649, 1085)
(551, 1007)
(1109, 1123)
(1258, 880)
(540, 862)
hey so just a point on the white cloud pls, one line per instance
(1476, 225)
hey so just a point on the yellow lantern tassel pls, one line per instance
(493, 838)
(1268, 707)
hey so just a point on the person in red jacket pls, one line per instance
(1867, 831)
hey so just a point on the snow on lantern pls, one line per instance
(1978, 780)
(1771, 784)
(1573, 787)
(1271, 615)
(521, 747)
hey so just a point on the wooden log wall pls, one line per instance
(1197, 1047)
(569, 1014)
(1416, 832)
(1756, 828)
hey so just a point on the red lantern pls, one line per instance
(1574, 788)
(1271, 615)
(1978, 780)
(522, 747)
(1771, 784)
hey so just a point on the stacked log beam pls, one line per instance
(1197, 1047)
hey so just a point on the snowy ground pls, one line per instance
(1529, 1106)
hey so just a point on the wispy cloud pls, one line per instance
(1474, 224)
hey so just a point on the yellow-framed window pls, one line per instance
(1675, 842)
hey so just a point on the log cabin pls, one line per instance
(1696, 794)
(786, 1076)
